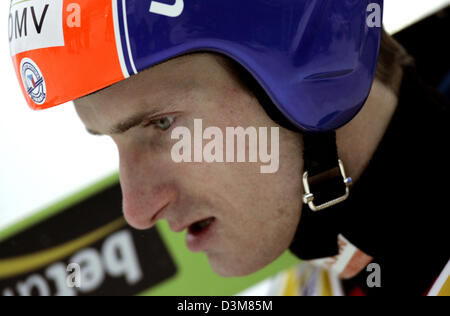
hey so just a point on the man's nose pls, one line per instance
(145, 195)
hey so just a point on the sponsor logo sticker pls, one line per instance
(35, 24)
(33, 81)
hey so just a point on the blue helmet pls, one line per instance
(316, 59)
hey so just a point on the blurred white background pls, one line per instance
(46, 156)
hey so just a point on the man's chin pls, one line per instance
(229, 268)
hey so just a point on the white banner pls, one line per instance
(34, 24)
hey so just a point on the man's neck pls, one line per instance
(358, 140)
(357, 143)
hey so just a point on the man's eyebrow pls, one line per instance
(127, 124)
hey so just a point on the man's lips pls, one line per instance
(178, 228)
(200, 233)
(194, 227)
(200, 236)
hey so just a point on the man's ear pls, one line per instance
(393, 57)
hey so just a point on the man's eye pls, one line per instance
(164, 123)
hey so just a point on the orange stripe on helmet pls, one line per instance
(87, 62)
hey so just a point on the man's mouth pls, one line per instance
(200, 226)
(199, 234)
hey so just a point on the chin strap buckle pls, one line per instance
(308, 197)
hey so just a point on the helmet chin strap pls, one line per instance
(326, 185)
(324, 179)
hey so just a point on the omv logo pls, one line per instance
(170, 10)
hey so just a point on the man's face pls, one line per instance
(253, 215)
